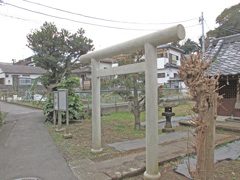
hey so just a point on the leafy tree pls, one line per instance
(176, 44)
(188, 46)
(74, 104)
(228, 22)
(131, 83)
(57, 52)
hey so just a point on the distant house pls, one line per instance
(25, 62)
(225, 52)
(19, 75)
(168, 62)
(85, 73)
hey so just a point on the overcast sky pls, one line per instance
(20, 17)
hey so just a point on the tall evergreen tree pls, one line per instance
(228, 22)
(57, 52)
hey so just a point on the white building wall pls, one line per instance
(34, 76)
(169, 73)
(8, 80)
(161, 62)
(2, 75)
(104, 65)
(165, 79)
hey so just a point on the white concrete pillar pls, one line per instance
(151, 172)
(96, 108)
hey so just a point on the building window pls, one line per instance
(24, 81)
(175, 75)
(160, 55)
(7, 75)
(174, 59)
(161, 75)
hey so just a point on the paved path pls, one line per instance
(27, 149)
(141, 143)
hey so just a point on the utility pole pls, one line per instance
(203, 38)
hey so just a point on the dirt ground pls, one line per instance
(225, 170)
(79, 147)
(118, 130)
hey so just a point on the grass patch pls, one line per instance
(35, 104)
(115, 127)
(2, 118)
(222, 145)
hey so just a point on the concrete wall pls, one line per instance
(104, 65)
(169, 73)
(106, 110)
(161, 62)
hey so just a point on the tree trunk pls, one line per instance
(136, 109)
(206, 138)
(50, 88)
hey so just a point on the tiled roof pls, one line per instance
(82, 70)
(225, 52)
(20, 69)
(168, 65)
(170, 46)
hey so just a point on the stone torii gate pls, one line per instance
(148, 43)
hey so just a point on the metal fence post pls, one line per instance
(88, 99)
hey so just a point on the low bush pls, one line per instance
(75, 106)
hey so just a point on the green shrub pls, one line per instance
(75, 106)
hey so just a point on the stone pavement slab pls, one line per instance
(141, 143)
(229, 152)
(29, 150)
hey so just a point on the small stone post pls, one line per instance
(96, 108)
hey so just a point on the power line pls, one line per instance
(22, 19)
(27, 20)
(76, 21)
(86, 16)
(207, 25)
(193, 26)
(63, 18)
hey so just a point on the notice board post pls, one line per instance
(63, 106)
(55, 107)
(59, 112)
